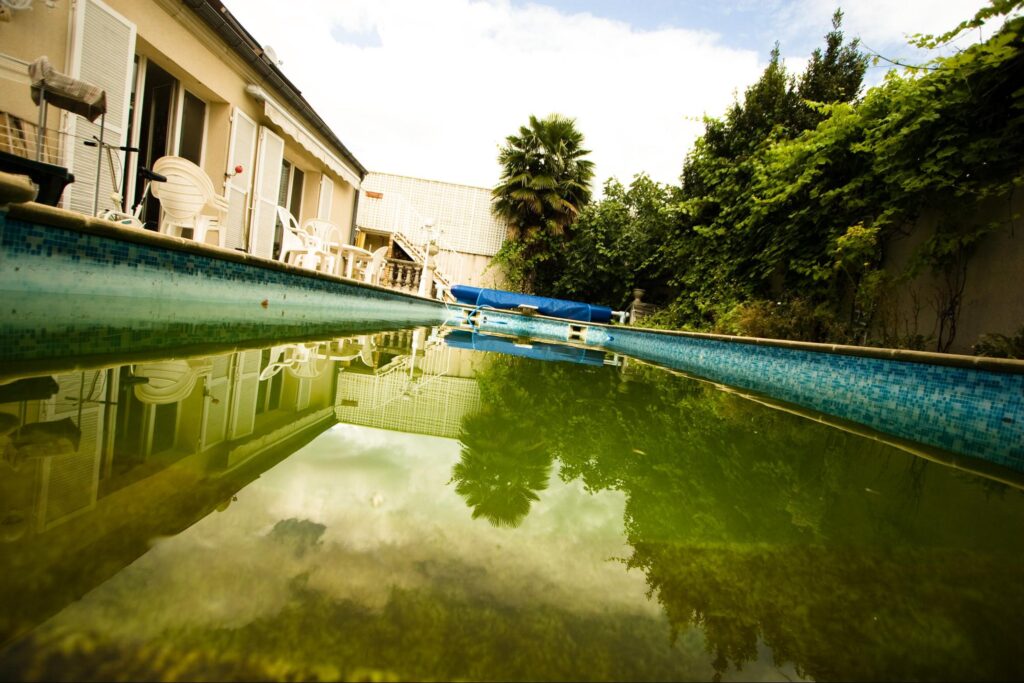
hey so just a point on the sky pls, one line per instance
(432, 89)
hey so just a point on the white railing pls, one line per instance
(20, 136)
(413, 233)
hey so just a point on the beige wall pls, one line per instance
(343, 208)
(30, 34)
(993, 298)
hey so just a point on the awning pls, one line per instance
(297, 132)
(65, 92)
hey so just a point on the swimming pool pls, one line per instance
(220, 467)
(393, 505)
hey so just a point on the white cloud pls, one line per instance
(390, 518)
(450, 79)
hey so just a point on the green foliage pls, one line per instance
(794, 194)
(793, 319)
(1001, 345)
(545, 183)
(615, 244)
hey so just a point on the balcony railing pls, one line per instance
(402, 275)
(20, 136)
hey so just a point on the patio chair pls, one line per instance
(298, 247)
(330, 239)
(169, 381)
(375, 269)
(188, 200)
(300, 360)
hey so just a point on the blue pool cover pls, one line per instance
(464, 339)
(556, 308)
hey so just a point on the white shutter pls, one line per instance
(242, 151)
(215, 420)
(103, 51)
(323, 209)
(247, 384)
(268, 181)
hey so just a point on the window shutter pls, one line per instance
(268, 182)
(103, 51)
(238, 186)
(246, 390)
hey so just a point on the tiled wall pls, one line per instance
(66, 292)
(970, 411)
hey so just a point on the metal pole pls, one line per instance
(99, 165)
(41, 127)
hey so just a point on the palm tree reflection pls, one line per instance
(502, 467)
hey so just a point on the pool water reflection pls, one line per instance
(389, 506)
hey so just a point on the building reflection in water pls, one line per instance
(98, 462)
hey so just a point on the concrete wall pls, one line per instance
(993, 297)
(469, 269)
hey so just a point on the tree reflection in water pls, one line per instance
(501, 469)
(758, 526)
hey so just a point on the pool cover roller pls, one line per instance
(556, 308)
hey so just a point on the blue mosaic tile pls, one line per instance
(974, 412)
(66, 293)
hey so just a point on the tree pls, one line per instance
(834, 75)
(615, 243)
(545, 182)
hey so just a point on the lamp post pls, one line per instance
(427, 277)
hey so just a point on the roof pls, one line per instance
(220, 19)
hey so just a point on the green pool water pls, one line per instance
(386, 507)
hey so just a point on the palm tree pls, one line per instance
(545, 180)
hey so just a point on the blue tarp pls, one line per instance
(464, 339)
(556, 308)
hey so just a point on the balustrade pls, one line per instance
(402, 275)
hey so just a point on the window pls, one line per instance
(165, 427)
(268, 395)
(193, 127)
(166, 119)
(289, 195)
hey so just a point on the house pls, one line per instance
(407, 214)
(184, 78)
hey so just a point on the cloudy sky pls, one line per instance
(431, 89)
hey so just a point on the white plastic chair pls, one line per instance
(170, 381)
(375, 269)
(298, 247)
(300, 360)
(188, 200)
(329, 237)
